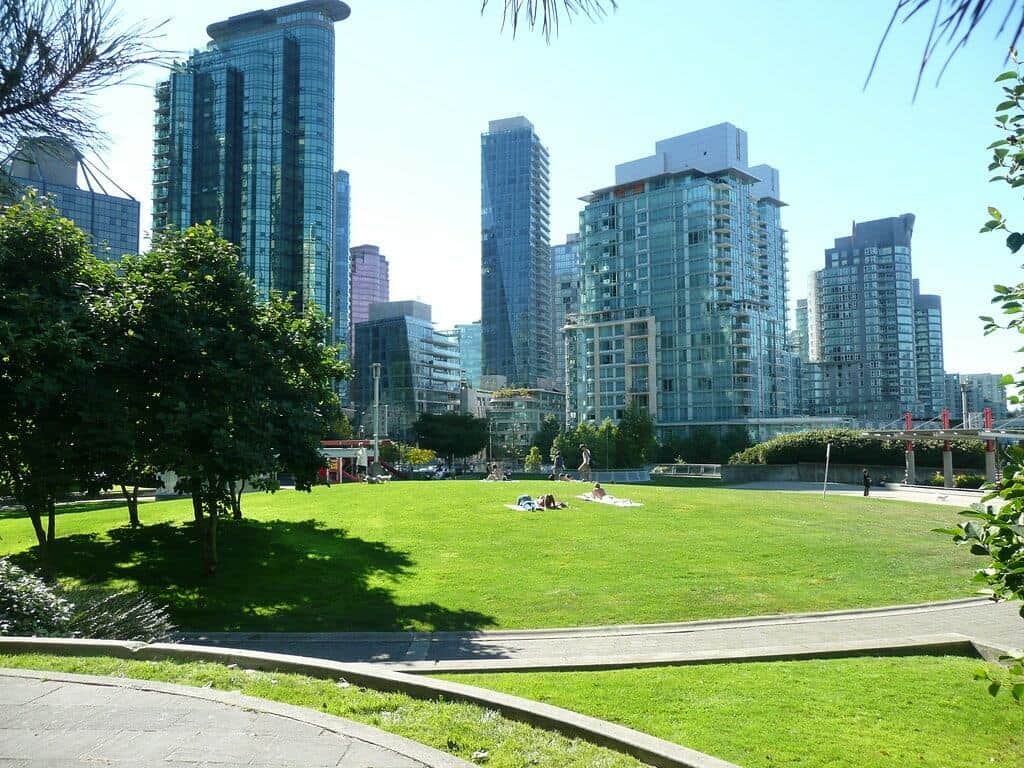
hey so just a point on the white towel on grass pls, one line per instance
(611, 500)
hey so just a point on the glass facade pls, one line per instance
(683, 294)
(244, 138)
(931, 373)
(565, 286)
(368, 283)
(515, 255)
(470, 352)
(984, 390)
(419, 367)
(57, 170)
(872, 349)
(340, 275)
(516, 415)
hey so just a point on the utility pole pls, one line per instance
(375, 367)
(963, 403)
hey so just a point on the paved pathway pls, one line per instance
(954, 497)
(50, 719)
(997, 624)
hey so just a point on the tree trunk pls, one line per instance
(210, 550)
(51, 524)
(133, 505)
(37, 526)
(236, 499)
(197, 507)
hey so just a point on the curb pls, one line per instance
(338, 725)
(591, 631)
(924, 645)
(648, 749)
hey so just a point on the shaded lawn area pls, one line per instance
(843, 713)
(459, 729)
(448, 555)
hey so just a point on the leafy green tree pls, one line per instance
(341, 429)
(50, 348)
(533, 460)
(998, 534)
(415, 455)
(452, 435)
(544, 438)
(636, 428)
(242, 388)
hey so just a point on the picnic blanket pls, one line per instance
(517, 508)
(610, 500)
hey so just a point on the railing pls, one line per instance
(688, 470)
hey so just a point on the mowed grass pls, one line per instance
(841, 713)
(459, 729)
(448, 555)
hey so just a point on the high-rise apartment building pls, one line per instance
(340, 275)
(983, 390)
(368, 283)
(931, 372)
(419, 366)
(245, 139)
(874, 348)
(683, 298)
(470, 352)
(56, 169)
(515, 254)
(565, 286)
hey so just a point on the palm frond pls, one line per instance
(548, 12)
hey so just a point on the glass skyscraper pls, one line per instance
(931, 372)
(683, 299)
(368, 283)
(565, 286)
(245, 139)
(340, 275)
(419, 366)
(515, 255)
(56, 169)
(863, 330)
(470, 352)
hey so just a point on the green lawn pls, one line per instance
(841, 713)
(448, 555)
(460, 729)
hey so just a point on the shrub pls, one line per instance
(937, 479)
(850, 446)
(969, 481)
(533, 460)
(28, 605)
(119, 616)
(31, 606)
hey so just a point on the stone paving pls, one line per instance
(997, 624)
(49, 719)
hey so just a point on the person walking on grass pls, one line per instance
(867, 483)
(585, 466)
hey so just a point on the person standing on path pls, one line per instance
(585, 466)
(559, 466)
(867, 483)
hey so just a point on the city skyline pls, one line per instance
(843, 160)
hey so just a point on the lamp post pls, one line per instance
(963, 403)
(375, 367)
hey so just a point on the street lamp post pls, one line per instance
(375, 367)
(963, 403)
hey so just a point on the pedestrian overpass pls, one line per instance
(977, 426)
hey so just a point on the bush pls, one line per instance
(937, 479)
(31, 606)
(850, 446)
(533, 460)
(28, 605)
(969, 481)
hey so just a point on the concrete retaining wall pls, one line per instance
(805, 472)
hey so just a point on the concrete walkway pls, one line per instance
(53, 719)
(954, 497)
(994, 624)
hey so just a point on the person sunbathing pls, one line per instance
(598, 492)
(548, 502)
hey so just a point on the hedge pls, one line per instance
(850, 446)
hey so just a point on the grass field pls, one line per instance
(448, 555)
(460, 729)
(841, 713)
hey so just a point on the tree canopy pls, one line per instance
(452, 435)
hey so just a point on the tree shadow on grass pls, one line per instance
(14, 512)
(273, 576)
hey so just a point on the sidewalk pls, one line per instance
(995, 624)
(51, 719)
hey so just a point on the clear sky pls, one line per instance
(417, 82)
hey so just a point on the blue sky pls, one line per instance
(418, 81)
